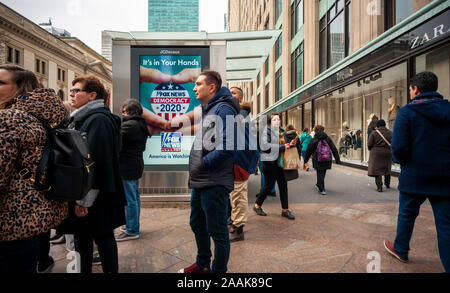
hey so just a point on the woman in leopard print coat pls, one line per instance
(24, 212)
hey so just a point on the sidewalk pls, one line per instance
(326, 237)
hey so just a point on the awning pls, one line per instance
(246, 51)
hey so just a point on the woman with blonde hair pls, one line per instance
(25, 213)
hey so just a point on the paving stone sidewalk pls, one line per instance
(326, 237)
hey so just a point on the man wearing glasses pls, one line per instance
(102, 210)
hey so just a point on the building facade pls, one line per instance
(339, 61)
(56, 60)
(173, 16)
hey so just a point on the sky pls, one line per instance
(86, 19)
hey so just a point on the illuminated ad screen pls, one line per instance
(166, 83)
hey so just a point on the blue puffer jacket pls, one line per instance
(421, 144)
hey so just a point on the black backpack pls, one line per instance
(69, 175)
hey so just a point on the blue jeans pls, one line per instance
(408, 211)
(262, 179)
(133, 207)
(209, 219)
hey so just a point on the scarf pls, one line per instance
(79, 113)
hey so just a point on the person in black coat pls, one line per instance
(321, 166)
(102, 210)
(134, 139)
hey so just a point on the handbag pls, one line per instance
(291, 159)
(382, 136)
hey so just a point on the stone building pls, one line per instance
(56, 60)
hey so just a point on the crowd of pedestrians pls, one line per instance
(218, 176)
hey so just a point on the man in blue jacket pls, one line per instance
(211, 175)
(421, 144)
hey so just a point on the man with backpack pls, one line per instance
(245, 161)
(211, 174)
(321, 149)
(102, 210)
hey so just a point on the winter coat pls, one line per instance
(108, 211)
(421, 144)
(312, 147)
(380, 158)
(305, 138)
(134, 139)
(24, 211)
(213, 167)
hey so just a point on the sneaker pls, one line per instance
(317, 188)
(96, 259)
(124, 236)
(390, 248)
(193, 269)
(123, 228)
(323, 192)
(288, 214)
(46, 266)
(259, 211)
(380, 189)
(58, 239)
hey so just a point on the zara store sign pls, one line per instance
(437, 28)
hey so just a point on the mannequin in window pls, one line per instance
(393, 109)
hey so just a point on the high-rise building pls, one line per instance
(337, 62)
(173, 15)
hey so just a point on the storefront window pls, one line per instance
(327, 114)
(307, 115)
(438, 62)
(295, 117)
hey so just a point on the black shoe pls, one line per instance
(44, 267)
(380, 189)
(288, 214)
(274, 194)
(388, 186)
(96, 259)
(259, 211)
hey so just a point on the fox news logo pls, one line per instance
(170, 142)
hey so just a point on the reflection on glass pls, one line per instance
(403, 9)
(308, 115)
(295, 117)
(438, 62)
(337, 40)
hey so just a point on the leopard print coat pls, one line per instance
(24, 211)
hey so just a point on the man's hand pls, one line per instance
(81, 211)
(153, 76)
(186, 75)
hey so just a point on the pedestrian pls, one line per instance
(305, 139)
(321, 149)
(422, 127)
(95, 217)
(134, 139)
(245, 162)
(271, 169)
(380, 158)
(25, 213)
(211, 174)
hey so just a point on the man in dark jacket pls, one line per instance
(102, 210)
(421, 144)
(134, 139)
(321, 166)
(211, 173)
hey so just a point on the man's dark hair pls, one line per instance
(306, 130)
(381, 123)
(132, 107)
(92, 84)
(425, 82)
(213, 77)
